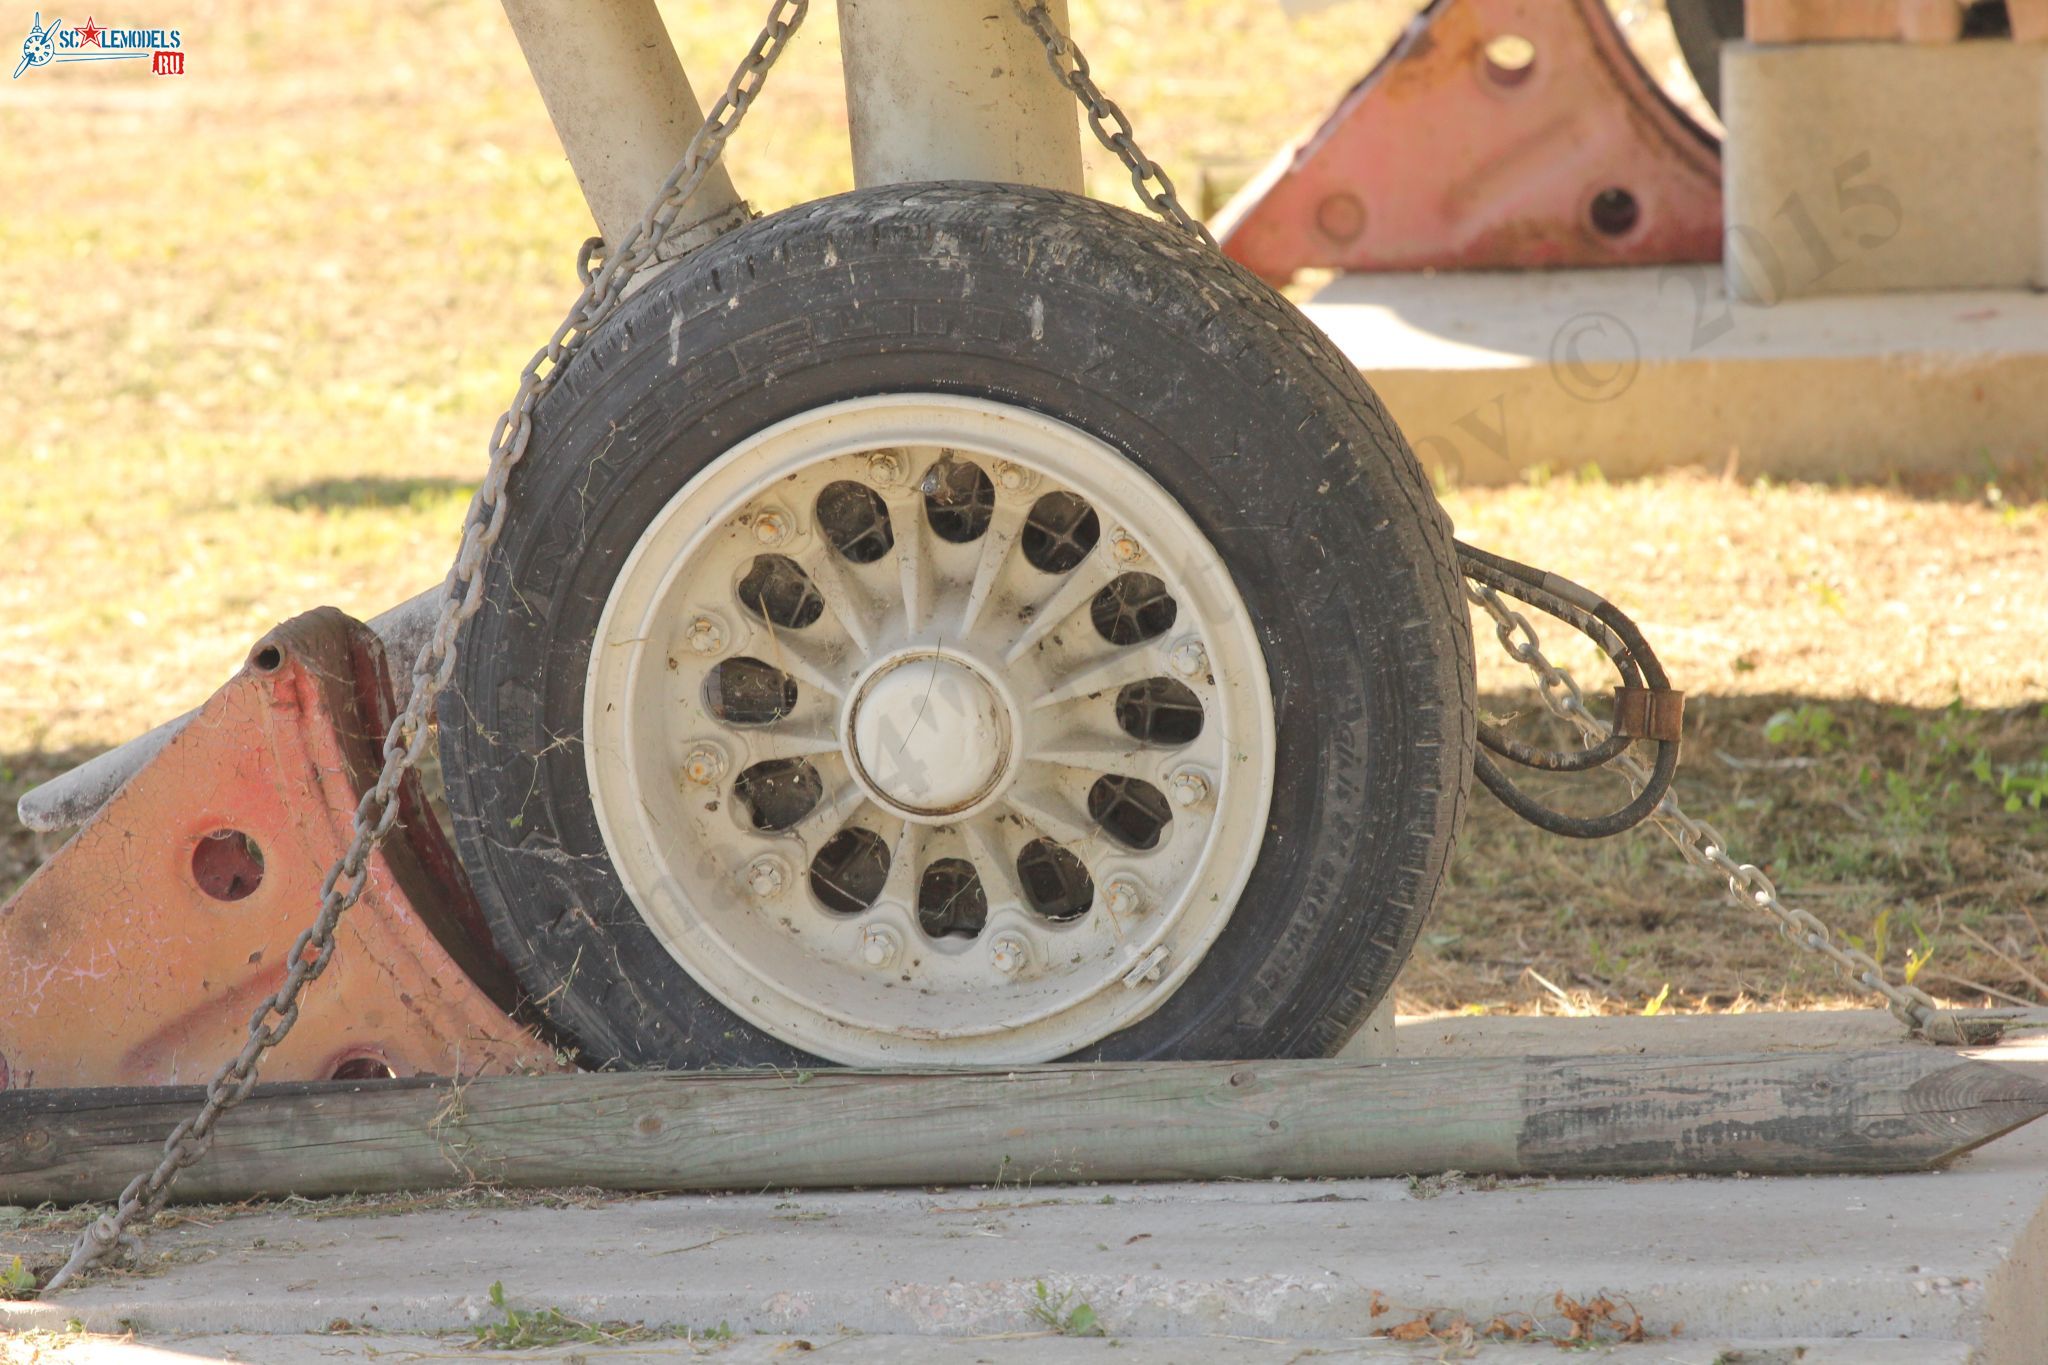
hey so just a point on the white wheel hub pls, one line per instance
(929, 735)
(929, 729)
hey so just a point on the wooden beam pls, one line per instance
(1901, 1109)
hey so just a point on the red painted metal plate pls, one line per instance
(1455, 153)
(136, 955)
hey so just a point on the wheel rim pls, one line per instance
(930, 729)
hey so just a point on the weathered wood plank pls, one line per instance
(1901, 1109)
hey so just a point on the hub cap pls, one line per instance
(929, 736)
(928, 729)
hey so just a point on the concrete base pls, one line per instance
(1938, 1269)
(1494, 374)
(1856, 167)
(1009, 1348)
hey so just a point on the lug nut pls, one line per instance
(706, 635)
(704, 764)
(1014, 478)
(1121, 896)
(766, 877)
(877, 946)
(1188, 788)
(771, 526)
(1125, 546)
(1189, 659)
(884, 468)
(1008, 954)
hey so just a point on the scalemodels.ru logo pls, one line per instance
(88, 42)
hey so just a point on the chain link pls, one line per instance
(1704, 847)
(604, 269)
(1111, 127)
(1699, 842)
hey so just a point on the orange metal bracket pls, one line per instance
(137, 954)
(1497, 134)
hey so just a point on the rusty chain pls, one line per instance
(1704, 847)
(1070, 67)
(1699, 842)
(604, 285)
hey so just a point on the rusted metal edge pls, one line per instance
(74, 797)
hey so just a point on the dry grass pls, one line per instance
(254, 325)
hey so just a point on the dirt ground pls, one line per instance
(254, 325)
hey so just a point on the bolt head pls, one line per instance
(704, 764)
(1188, 789)
(884, 468)
(771, 526)
(1014, 478)
(1008, 954)
(1125, 547)
(877, 946)
(766, 877)
(1189, 659)
(1121, 896)
(706, 635)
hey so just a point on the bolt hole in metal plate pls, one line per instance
(1614, 212)
(916, 723)
(227, 865)
(365, 1068)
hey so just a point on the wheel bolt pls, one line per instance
(1008, 954)
(877, 946)
(1014, 478)
(1189, 659)
(884, 468)
(771, 526)
(706, 635)
(704, 764)
(766, 877)
(1121, 896)
(1188, 788)
(1125, 546)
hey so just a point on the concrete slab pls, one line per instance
(1859, 166)
(1927, 1268)
(1493, 374)
(1035, 1348)
(1954, 1257)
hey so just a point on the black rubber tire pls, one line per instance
(1201, 374)
(1701, 26)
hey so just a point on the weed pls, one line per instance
(540, 1327)
(1809, 727)
(17, 1281)
(2019, 785)
(1078, 1321)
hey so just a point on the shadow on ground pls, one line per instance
(369, 492)
(1921, 833)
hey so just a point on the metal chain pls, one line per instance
(1699, 842)
(1703, 846)
(1111, 128)
(603, 288)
